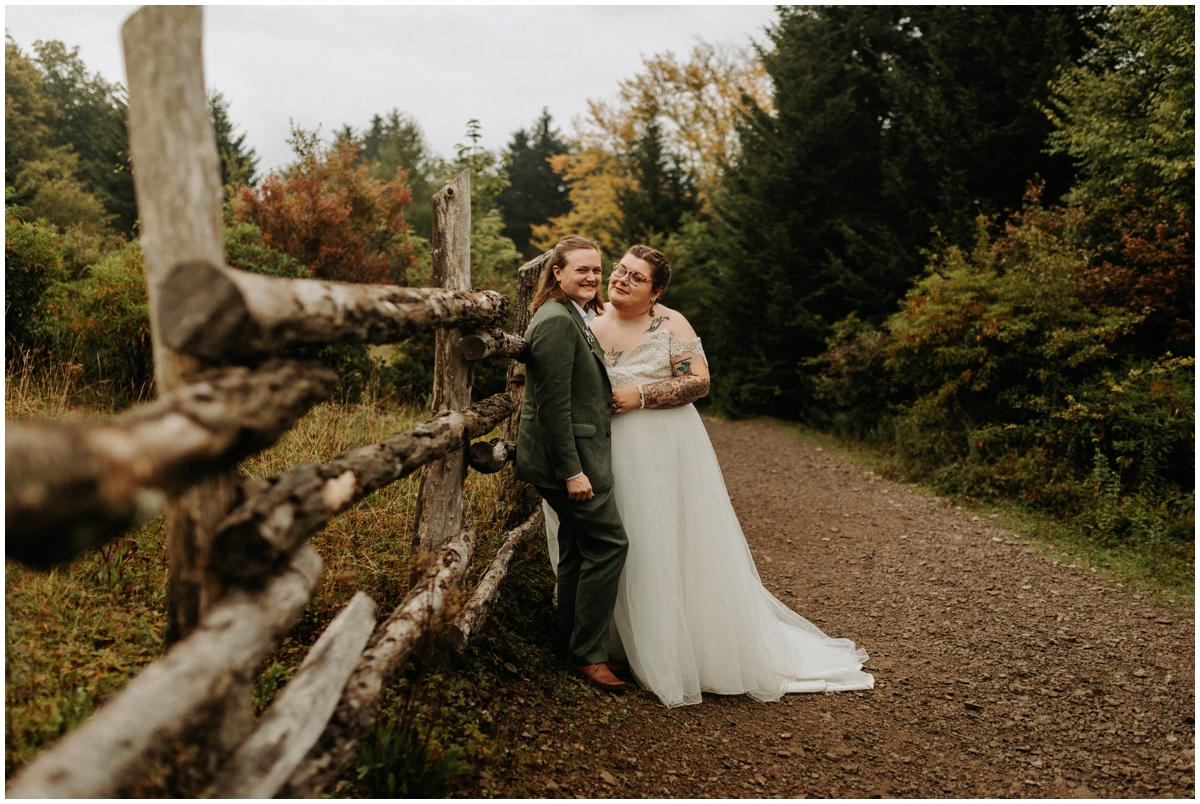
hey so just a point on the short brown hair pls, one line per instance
(660, 269)
(549, 288)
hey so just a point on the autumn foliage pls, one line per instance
(1149, 271)
(329, 214)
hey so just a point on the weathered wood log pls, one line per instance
(216, 312)
(107, 755)
(515, 504)
(298, 716)
(71, 486)
(440, 495)
(177, 178)
(421, 615)
(494, 343)
(489, 457)
(177, 173)
(279, 513)
(529, 276)
(471, 617)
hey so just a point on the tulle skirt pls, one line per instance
(692, 614)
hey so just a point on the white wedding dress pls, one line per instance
(692, 614)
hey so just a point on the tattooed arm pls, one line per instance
(675, 392)
(689, 382)
(689, 372)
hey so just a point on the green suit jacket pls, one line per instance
(565, 418)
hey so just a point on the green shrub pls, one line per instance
(100, 322)
(999, 377)
(34, 259)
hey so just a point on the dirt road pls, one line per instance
(999, 672)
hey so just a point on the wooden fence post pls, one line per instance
(440, 497)
(177, 178)
(517, 493)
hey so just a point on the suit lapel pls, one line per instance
(587, 335)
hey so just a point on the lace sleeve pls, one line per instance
(678, 347)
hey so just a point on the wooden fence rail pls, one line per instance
(70, 487)
(240, 568)
(217, 313)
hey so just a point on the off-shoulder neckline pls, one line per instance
(625, 355)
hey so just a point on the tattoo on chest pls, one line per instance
(656, 323)
(614, 356)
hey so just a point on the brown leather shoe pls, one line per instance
(618, 668)
(598, 675)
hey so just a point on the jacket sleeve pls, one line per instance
(549, 370)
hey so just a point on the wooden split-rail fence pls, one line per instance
(241, 572)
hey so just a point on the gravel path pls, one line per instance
(999, 672)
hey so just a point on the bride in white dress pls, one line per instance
(692, 614)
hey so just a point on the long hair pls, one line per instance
(549, 287)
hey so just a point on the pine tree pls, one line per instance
(239, 165)
(536, 193)
(662, 192)
(892, 128)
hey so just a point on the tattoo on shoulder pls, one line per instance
(656, 323)
(684, 366)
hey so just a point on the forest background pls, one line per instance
(959, 236)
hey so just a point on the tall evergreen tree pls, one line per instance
(88, 114)
(394, 143)
(890, 124)
(662, 193)
(239, 164)
(536, 193)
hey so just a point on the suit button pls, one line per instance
(608, 433)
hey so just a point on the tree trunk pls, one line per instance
(519, 496)
(440, 496)
(177, 177)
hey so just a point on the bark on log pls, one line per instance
(280, 513)
(494, 343)
(177, 173)
(177, 178)
(216, 312)
(489, 457)
(516, 504)
(529, 276)
(106, 756)
(71, 486)
(472, 616)
(440, 495)
(419, 616)
(298, 717)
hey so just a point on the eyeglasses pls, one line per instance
(634, 278)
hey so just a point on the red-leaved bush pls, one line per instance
(329, 214)
(1149, 271)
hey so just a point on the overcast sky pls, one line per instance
(329, 65)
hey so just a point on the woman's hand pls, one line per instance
(626, 399)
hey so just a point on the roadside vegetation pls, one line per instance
(960, 253)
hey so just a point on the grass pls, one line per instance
(77, 634)
(1167, 577)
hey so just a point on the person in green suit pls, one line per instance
(564, 451)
